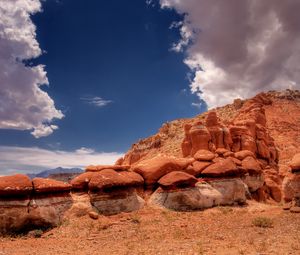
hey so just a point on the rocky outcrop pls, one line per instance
(26, 204)
(203, 195)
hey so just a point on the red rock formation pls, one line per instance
(222, 168)
(102, 167)
(42, 185)
(18, 184)
(177, 179)
(204, 155)
(153, 169)
(109, 178)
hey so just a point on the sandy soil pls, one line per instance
(221, 230)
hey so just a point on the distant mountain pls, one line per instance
(56, 171)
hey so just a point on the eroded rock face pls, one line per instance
(291, 186)
(116, 201)
(48, 210)
(253, 182)
(204, 195)
(26, 204)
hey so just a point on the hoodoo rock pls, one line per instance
(113, 192)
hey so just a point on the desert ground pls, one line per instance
(253, 229)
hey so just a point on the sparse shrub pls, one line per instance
(262, 222)
(225, 209)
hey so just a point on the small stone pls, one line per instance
(94, 215)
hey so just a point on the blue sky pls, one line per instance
(111, 72)
(80, 81)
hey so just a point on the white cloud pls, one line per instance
(96, 101)
(239, 48)
(23, 105)
(31, 159)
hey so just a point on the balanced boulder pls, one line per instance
(18, 184)
(42, 185)
(109, 178)
(81, 182)
(99, 168)
(177, 179)
(204, 155)
(153, 169)
(222, 168)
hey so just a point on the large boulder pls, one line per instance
(98, 168)
(13, 185)
(203, 195)
(116, 201)
(109, 178)
(197, 167)
(48, 210)
(253, 182)
(291, 186)
(81, 182)
(204, 155)
(42, 185)
(233, 190)
(13, 213)
(295, 163)
(243, 154)
(221, 168)
(177, 179)
(251, 165)
(50, 201)
(153, 169)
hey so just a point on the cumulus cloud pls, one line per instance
(239, 48)
(25, 160)
(23, 104)
(96, 101)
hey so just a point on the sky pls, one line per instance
(80, 81)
